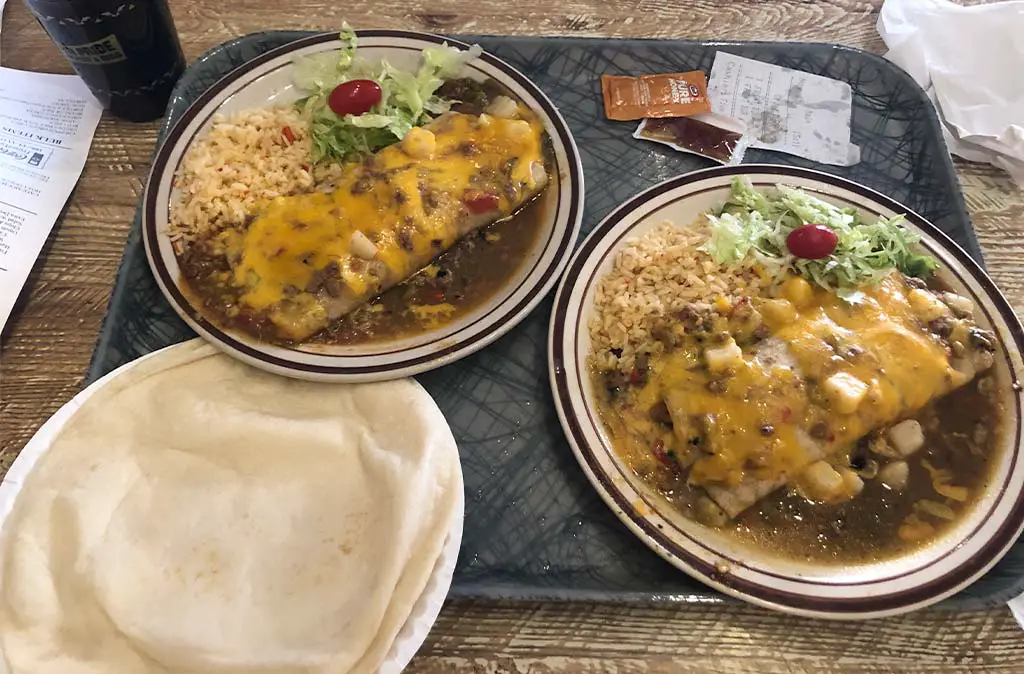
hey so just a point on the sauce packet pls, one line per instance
(655, 96)
(717, 137)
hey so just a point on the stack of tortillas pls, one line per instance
(198, 515)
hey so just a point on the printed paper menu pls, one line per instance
(46, 127)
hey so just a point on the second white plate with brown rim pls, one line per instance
(888, 587)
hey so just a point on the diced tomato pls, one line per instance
(480, 202)
(666, 457)
(288, 134)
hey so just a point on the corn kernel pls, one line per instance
(778, 312)
(798, 291)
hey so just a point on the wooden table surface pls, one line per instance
(49, 341)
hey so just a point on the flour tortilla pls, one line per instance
(200, 516)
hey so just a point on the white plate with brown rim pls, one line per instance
(865, 589)
(266, 81)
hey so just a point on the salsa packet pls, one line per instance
(655, 96)
(717, 137)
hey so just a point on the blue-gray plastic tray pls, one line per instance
(534, 528)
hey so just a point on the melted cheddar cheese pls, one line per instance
(409, 200)
(829, 373)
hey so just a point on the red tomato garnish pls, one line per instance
(288, 134)
(812, 242)
(354, 97)
(480, 202)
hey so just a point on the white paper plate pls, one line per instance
(417, 626)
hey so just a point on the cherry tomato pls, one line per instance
(812, 242)
(354, 97)
(480, 202)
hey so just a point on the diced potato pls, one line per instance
(963, 367)
(821, 482)
(852, 483)
(982, 360)
(709, 513)
(503, 107)
(419, 143)
(519, 129)
(362, 247)
(907, 437)
(539, 174)
(844, 392)
(926, 306)
(778, 312)
(960, 305)
(721, 358)
(798, 291)
(894, 475)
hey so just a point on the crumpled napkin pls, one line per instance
(1017, 609)
(969, 60)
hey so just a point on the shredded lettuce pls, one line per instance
(408, 99)
(755, 224)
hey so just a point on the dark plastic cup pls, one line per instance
(127, 53)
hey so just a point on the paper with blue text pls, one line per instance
(46, 127)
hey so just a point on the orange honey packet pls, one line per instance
(653, 96)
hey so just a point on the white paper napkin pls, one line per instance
(969, 60)
(1017, 609)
